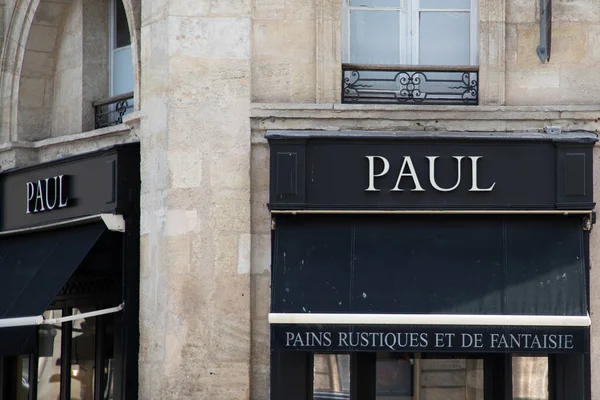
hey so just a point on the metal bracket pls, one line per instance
(589, 221)
(553, 130)
(114, 222)
(543, 50)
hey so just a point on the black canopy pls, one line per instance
(521, 279)
(33, 269)
(438, 264)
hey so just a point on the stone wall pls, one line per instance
(67, 101)
(36, 86)
(571, 76)
(195, 243)
(296, 53)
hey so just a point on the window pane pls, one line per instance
(446, 4)
(452, 378)
(444, 38)
(394, 376)
(49, 347)
(122, 38)
(375, 3)
(331, 376)
(22, 378)
(375, 37)
(83, 355)
(122, 71)
(108, 369)
(530, 378)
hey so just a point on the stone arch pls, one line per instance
(11, 63)
(28, 61)
(37, 75)
(133, 10)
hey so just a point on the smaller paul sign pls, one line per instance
(443, 339)
(437, 171)
(69, 188)
(47, 194)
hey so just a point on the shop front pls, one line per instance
(69, 286)
(425, 266)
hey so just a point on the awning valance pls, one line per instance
(461, 264)
(467, 274)
(33, 269)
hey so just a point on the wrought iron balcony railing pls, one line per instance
(409, 84)
(110, 111)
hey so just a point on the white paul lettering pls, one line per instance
(379, 166)
(47, 194)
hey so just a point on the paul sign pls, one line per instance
(407, 170)
(47, 194)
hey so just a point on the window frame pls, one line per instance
(8, 363)
(409, 11)
(112, 45)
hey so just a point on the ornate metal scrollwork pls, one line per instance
(432, 85)
(409, 84)
(111, 111)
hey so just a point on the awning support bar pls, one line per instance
(429, 319)
(39, 319)
(83, 315)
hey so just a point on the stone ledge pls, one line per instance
(117, 130)
(132, 118)
(339, 117)
(415, 112)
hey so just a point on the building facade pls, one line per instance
(205, 86)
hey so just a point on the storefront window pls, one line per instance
(22, 391)
(331, 379)
(49, 348)
(530, 378)
(410, 377)
(395, 376)
(83, 354)
(107, 391)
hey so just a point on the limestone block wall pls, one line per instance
(195, 200)
(296, 52)
(572, 75)
(450, 379)
(81, 72)
(283, 51)
(36, 89)
(66, 102)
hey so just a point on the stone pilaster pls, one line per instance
(195, 244)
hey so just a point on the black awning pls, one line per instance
(33, 269)
(438, 264)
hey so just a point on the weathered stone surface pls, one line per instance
(442, 394)
(569, 43)
(442, 364)
(42, 38)
(441, 379)
(594, 42)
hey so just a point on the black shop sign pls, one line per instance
(442, 339)
(437, 171)
(69, 188)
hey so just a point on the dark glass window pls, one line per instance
(331, 376)
(122, 37)
(83, 357)
(49, 358)
(530, 378)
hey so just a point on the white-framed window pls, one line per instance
(120, 59)
(413, 32)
